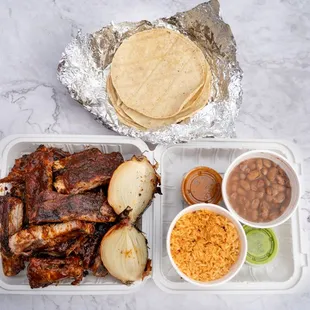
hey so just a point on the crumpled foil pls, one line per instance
(85, 65)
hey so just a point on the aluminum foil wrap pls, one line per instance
(85, 65)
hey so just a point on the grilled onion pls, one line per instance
(133, 185)
(124, 252)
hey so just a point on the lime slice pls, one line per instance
(262, 245)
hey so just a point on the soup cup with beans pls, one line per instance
(261, 189)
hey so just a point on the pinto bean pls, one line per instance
(254, 186)
(242, 176)
(259, 164)
(241, 212)
(264, 208)
(278, 187)
(264, 171)
(252, 166)
(271, 191)
(280, 179)
(251, 195)
(267, 163)
(283, 209)
(241, 191)
(235, 177)
(253, 175)
(234, 196)
(255, 203)
(269, 198)
(234, 187)
(273, 215)
(279, 198)
(260, 194)
(260, 183)
(254, 215)
(245, 185)
(271, 175)
(244, 201)
(243, 166)
(274, 192)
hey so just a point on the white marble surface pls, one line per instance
(273, 40)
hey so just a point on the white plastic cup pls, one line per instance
(288, 169)
(243, 243)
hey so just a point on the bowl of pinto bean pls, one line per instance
(261, 189)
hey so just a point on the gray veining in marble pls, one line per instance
(273, 40)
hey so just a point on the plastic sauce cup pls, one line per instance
(262, 245)
(202, 185)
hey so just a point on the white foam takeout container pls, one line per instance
(284, 274)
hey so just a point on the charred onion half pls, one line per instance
(124, 252)
(133, 185)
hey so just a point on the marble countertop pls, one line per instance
(273, 39)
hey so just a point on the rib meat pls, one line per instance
(85, 170)
(17, 173)
(88, 250)
(39, 177)
(97, 268)
(11, 216)
(34, 171)
(12, 264)
(26, 163)
(42, 272)
(62, 249)
(38, 238)
(11, 219)
(18, 190)
(52, 207)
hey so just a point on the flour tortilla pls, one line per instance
(157, 72)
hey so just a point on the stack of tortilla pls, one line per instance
(158, 77)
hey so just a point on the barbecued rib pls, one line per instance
(18, 190)
(38, 238)
(11, 216)
(62, 249)
(26, 163)
(52, 207)
(35, 171)
(97, 268)
(16, 174)
(85, 170)
(42, 272)
(39, 177)
(88, 248)
(11, 219)
(12, 264)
